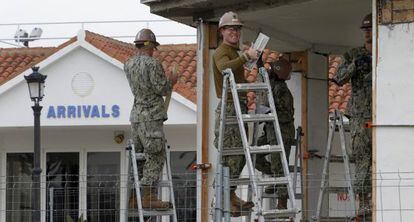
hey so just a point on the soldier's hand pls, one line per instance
(252, 53)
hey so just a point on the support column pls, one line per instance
(203, 118)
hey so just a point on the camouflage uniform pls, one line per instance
(227, 56)
(232, 138)
(285, 111)
(148, 84)
(356, 68)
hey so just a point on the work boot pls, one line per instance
(282, 203)
(235, 211)
(150, 200)
(239, 203)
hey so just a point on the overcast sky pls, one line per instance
(46, 11)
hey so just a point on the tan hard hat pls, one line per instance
(281, 68)
(145, 37)
(230, 18)
(367, 21)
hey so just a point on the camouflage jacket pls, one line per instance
(283, 101)
(148, 84)
(356, 68)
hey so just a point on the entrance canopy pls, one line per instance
(294, 25)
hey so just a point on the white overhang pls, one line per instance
(328, 26)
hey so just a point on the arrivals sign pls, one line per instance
(83, 111)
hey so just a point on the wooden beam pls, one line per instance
(205, 120)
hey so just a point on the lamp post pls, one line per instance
(36, 83)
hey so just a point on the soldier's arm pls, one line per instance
(346, 70)
(223, 61)
(159, 81)
(127, 73)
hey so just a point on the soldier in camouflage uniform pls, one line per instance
(279, 72)
(356, 68)
(227, 56)
(148, 84)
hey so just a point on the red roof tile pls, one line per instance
(338, 95)
(180, 57)
(14, 61)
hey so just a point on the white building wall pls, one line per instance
(393, 137)
(80, 133)
(108, 87)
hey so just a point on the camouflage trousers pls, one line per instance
(149, 139)
(276, 168)
(232, 138)
(361, 145)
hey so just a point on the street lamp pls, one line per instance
(36, 83)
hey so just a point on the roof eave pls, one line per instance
(188, 11)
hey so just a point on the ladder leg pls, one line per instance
(346, 161)
(218, 214)
(136, 179)
(169, 177)
(332, 126)
(226, 193)
(249, 162)
(279, 139)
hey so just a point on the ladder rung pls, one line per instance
(339, 159)
(258, 117)
(298, 196)
(261, 181)
(164, 183)
(149, 213)
(253, 150)
(336, 219)
(251, 86)
(158, 212)
(270, 214)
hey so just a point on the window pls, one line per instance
(18, 187)
(62, 180)
(103, 171)
(185, 185)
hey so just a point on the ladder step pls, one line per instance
(253, 150)
(251, 118)
(339, 159)
(164, 183)
(251, 86)
(151, 213)
(279, 220)
(261, 181)
(298, 196)
(336, 219)
(275, 214)
(258, 117)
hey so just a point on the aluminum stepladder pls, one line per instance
(142, 213)
(240, 119)
(336, 123)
